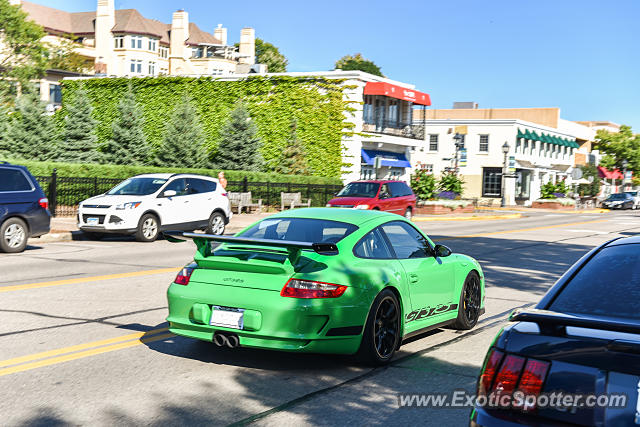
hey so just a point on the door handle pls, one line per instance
(414, 278)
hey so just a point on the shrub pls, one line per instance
(451, 182)
(547, 190)
(423, 184)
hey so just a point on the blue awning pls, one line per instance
(389, 158)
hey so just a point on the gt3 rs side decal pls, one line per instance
(425, 312)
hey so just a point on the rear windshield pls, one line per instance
(301, 230)
(608, 285)
(137, 187)
(618, 196)
(360, 189)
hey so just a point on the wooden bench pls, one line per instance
(244, 201)
(293, 200)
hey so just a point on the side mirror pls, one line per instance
(169, 193)
(442, 251)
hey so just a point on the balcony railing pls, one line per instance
(402, 129)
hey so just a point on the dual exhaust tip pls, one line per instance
(230, 340)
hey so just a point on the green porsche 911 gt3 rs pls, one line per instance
(323, 280)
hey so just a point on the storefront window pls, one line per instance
(523, 183)
(491, 182)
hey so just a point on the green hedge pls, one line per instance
(122, 172)
(316, 104)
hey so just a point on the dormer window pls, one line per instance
(136, 42)
(153, 45)
(119, 42)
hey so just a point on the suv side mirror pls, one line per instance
(442, 251)
(169, 193)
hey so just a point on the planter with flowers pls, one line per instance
(437, 197)
(553, 196)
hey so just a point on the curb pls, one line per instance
(470, 218)
(559, 211)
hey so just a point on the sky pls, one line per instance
(580, 55)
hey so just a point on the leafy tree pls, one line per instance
(358, 62)
(592, 189)
(619, 146)
(23, 56)
(79, 141)
(31, 133)
(451, 182)
(128, 145)
(270, 55)
(183, 142)
(293, 161)
(4, 131)
(62, 56)
(423, 184)
(239, 147)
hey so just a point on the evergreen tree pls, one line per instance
(183, 143)
(128, 145)
(293, 161)
(31, 133)
(4, 132)
(79, 142)
(239, 147)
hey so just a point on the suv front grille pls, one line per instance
(96, 206)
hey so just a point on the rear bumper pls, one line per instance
(481, 417)
(272, 321)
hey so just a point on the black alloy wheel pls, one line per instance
(382, 332)
(469, 309)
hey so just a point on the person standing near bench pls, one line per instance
(222, 180)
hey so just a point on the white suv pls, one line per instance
(147, 204)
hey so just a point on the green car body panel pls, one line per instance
(428, 289)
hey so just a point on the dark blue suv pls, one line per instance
(24, 208)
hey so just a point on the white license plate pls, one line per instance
(227, 317)
(93, 221)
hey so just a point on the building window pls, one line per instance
(367, 172)
(433, 142)
(491, 182)
(428, 168)
(164, 52)
(136, 42)
(367, 111)
(152, 68)
(393, 113)
(484, 143)
(136, 66)
(55, 94)
(119, 42)
(525, 146)
(153, 45)
(518, 144)
(197, 52)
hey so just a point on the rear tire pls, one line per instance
(216, 224)
(381, 337)
(469, 306)
(148, 228)
(13, 236)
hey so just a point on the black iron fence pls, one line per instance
(65, 193)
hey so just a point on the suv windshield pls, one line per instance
(618, 196)
(359, 189)
(137, 187)
(608, 285)
(308, 230)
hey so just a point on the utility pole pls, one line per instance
(505, 165)
(458, 142)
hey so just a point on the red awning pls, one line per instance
(398, 92)
(607, 174)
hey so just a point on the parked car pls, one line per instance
(24, 208)
(323, 280)
(144, 205)
(618, 201)
(583, 338)
(636, 198)
(389, 196)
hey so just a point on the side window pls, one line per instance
(396, 189)
(406, 241)
(178, 185)
(198, 186)
(13, 180)
(384, 192)
(373, 245)
(407, 189)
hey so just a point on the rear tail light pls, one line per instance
(225, 194)
(503, 374)
(44, 202)
(184, 275)
(296, 288)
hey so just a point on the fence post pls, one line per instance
(245, 186)
(53, 192)
(324, 199)
(309, 192)
(95, 186)
(268, 194)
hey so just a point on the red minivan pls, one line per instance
(390, 196)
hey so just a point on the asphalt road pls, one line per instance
(83, 339)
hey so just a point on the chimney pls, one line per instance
(247, 46)
(105, 21)
(221, 34)
(179, 34)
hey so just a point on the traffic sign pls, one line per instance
(576, 174)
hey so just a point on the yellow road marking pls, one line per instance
(523, 229)
(469, 218)
(56, 352)
(82, 354)
(85, 279)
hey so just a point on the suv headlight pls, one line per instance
(128, 205)
(361, 207)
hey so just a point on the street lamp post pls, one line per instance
(458, 144)
(505, 151)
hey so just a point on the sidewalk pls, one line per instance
(560, 211)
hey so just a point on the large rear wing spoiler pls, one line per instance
(293, 247)
(553, 322)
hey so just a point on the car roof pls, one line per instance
(378, 181)
(350, 216)
(170, 175)
(11, 165)
(632, 240)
